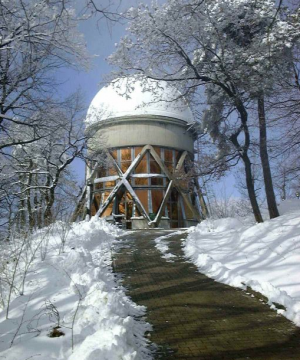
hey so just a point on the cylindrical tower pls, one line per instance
(142, 143)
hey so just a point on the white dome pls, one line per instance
(144, 97)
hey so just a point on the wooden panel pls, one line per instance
(141, 181)
(125, 165)
(137, 150)
(157, 181)
(101, 172)
(114, 154)
(122, 205)
(95, 204)
(188, 212)
(109, 184)
(173, 207)
(183, 181)
(93, 210)
(108, 210)
(142, 167)
(143, 196)
(174, 195)
(168, 155)
(129, 205)
(98, 186)
(125, 159)
(170, 167)
(111, 170)
(154, 167)
(126, 154)
(174, 211)
(174, 224)
(157, 150)
(157, 197)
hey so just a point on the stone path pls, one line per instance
(194, 317)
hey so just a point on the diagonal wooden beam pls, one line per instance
(185, 197)
(79, 206)
(181, 161)
(136, 161)
(188, 202)
(88, 201)
(173, 183)
(159, 162)
(95, 203)
(158, 216)
(126, 183)
(136, 200)
(93, 174)
(110, 197)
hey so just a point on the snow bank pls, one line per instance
(265, 256)
(76, 290)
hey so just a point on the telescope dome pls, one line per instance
(129, 97)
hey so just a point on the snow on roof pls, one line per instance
(132, 97)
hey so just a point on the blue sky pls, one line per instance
(100, 40)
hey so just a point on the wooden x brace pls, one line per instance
(172, 183)
(125, 182)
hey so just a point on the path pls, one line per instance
(194, 317)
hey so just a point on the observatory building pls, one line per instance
(141, 141)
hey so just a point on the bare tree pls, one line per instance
(41, 168)
(37, 38)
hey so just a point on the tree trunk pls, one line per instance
(28, 199)
(48, 216)
(48, 212)
(243, 151)
(39, 215)
(271, 200)
(22, 214)
(36, 203)
(284, 185)
(251, 189)
(48, 203)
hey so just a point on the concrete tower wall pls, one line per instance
(141, 130)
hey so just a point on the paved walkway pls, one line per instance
(194, 317)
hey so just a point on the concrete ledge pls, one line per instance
(139, 223)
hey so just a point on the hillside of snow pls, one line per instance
(265, 257)
(70, 292)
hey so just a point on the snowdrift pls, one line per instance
(265, 256)
(74, 293)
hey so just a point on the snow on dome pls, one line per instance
(131, 97)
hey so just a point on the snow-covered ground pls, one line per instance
(265, 257)
(76, 290)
